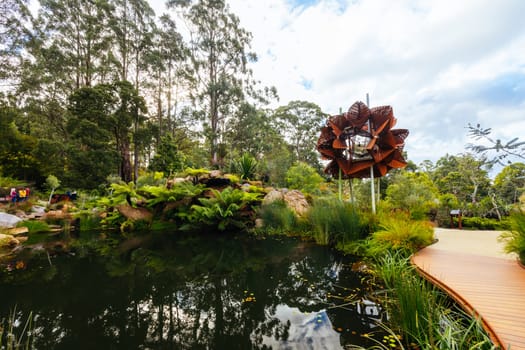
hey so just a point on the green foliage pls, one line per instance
(278, 218)
(168, 159)
(333, 221)
(120, 193)
(509, 184)
(423, 313)
(34, 226)
(8, 182)
(303, 177)
(52, 182)
(397, 232)
(514, 239)
(195, 172)
(160, 194)
(246, 167)
(480, 223)
(151, 179)
(224, 209)
(299, 123)
(413, 192)
(501, 151)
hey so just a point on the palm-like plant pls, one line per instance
(246, 167)
(223, 209)
(179, 191)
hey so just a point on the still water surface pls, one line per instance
(189, 292)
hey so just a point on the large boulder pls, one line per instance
(272, 196)
(294, 199)
(134, 214)
(8, 220)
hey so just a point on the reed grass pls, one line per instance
(278, 218)
(424, 314)
(334, 222)
(9, 339)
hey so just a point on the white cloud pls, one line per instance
(440, 64)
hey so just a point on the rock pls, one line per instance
(135, 214)
(215, 174)
(296, 201)
(15, 231)
(259, 223)
(8, 220)
(22, 239)
(8, 241)
(272, 196)
(57, 214)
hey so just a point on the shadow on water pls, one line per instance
(189, 292)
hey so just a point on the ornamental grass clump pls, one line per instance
(514, 239)
(277, 218)
(334, 222)
(397, 232)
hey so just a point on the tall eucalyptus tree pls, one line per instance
(133, 25)
(300, 123)
(15, 31)
(78, 32)
(218, 72)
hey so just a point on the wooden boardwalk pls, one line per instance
(487, 283)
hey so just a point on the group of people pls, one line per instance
(19, 195)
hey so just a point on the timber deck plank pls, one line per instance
(490, 286)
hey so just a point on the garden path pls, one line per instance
(472, 267)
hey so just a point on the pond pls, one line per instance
(187, 292)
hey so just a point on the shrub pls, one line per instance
(303, 177)
(224, 209)
(514, 239)
(397, 232)
(483, 223)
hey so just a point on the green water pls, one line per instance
(192, 292)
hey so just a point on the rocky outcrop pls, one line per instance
(294, 199)
(8, 220)
(134, 214)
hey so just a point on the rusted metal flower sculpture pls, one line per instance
(362, 138)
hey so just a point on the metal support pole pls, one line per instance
(372, 189)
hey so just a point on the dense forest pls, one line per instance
(102, 89)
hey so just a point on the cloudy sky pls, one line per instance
(441, 64)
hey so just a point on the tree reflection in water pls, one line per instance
(193, 292)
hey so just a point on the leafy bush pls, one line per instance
(397, 232)
(303, 177)
(224, 209)
(151, 179)
(514, 239)
(161, 194)
(483, 223)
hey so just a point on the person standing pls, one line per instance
(13, 194)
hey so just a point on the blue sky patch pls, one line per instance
(306, 83)
(506, 89)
